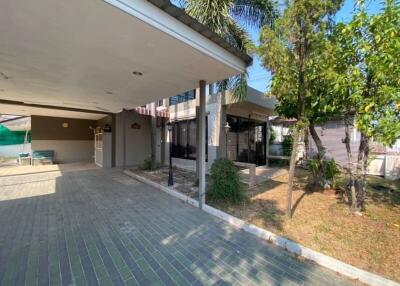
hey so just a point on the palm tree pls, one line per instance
(228, 18)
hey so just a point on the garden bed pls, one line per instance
(321, 221)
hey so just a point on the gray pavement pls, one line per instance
(100, 227)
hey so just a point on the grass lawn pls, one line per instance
(321, 221)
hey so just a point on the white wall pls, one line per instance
(13, 150)
(67, 151)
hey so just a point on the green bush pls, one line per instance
(225, 183)
(324, 172)
(147, 165)
(287, 145)
(331, 170)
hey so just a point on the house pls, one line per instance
(79, 68)
(234, 129)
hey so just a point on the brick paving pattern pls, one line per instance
(100, 227)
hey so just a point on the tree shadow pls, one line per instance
(383, 191)
(296, 204)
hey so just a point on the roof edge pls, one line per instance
(195, 25)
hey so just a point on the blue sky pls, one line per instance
(259, 78)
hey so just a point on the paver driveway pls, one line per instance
(101, 227)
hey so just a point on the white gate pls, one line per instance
(98, 148)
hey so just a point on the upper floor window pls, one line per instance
(183, 97)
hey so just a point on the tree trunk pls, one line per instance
(317, 140)
(347, 141)
(301, 91)
(362, 167)
(293, 157)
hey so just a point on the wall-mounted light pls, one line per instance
(137, 73)
(65, 125)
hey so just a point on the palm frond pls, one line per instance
(255, 13)
(237, 85)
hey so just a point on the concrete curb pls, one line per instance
(292, 247)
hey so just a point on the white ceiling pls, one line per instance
(81, 54)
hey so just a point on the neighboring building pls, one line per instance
(385, 161)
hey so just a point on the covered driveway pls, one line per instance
(100, 227)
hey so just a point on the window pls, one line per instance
(183, 97)
(184, 139)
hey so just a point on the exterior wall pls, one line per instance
(67, 151)
(384, 162)
(137, 144)
(70, 144)
(332, 134)
(50, 128)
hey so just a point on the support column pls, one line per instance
(113, 139)
(197, 92)
(268, 132)
(123, 139)
(222, 153)
(202, 144)
(153, 137)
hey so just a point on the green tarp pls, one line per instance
(8, 137)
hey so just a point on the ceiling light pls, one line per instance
(137, 73)
(109, 92)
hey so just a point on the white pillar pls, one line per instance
(202, 144)
(124, 138)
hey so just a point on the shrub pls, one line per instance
(147, 165)
(324, 172)
(225, 183)
(287, 145)
(331, 170)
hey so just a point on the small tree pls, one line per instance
(365, 76)
(293, 50)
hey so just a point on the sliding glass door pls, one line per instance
(246, 140)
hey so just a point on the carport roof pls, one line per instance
(180, 14)
(105, 55)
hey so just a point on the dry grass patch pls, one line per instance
(323, 222)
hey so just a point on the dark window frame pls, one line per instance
(183, 97)
(183, 152)
(242, 125)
